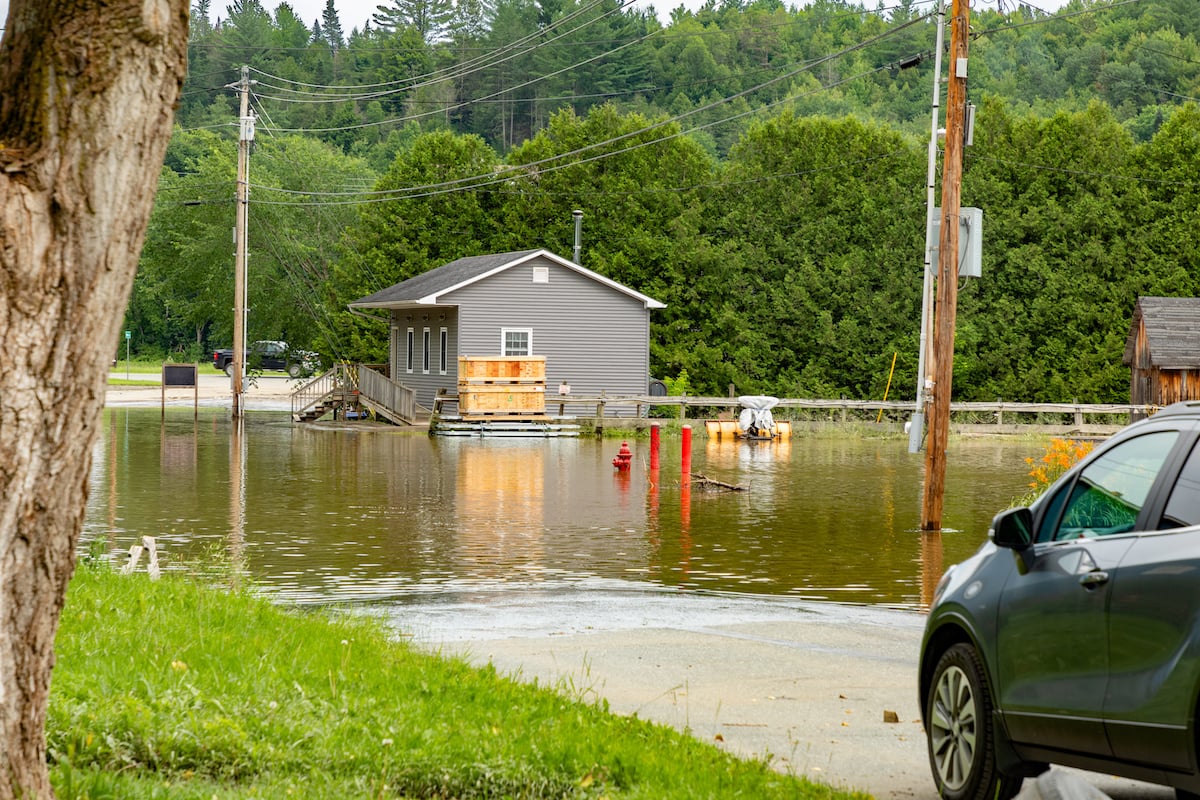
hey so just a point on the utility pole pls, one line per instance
(947, 283)
(245, 137)
(916, 430)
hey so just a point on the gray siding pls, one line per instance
(593, 336)
(425, 383)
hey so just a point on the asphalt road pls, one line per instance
(814, 695)
(269, 392)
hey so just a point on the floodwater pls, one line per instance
(468, 537)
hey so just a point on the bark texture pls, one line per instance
(87, 92)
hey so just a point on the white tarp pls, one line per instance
(756, 416)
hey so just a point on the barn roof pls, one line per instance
(428, 288)
(1172, 326)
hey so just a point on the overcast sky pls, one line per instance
(355, 13)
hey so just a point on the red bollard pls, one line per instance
(687, 451)
(654, 442)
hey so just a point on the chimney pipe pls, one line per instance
(578, 215)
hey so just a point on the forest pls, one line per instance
(759, 168)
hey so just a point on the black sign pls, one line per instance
(179, 375)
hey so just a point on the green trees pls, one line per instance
(759, 169)
(184, 290)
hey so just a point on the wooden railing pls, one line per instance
(387, 397)
(311, 394)
(999, 413)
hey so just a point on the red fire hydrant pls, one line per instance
(624, 457)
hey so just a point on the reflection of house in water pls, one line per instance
(500, 507)
(524, 507)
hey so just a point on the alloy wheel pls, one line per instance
(953, 727)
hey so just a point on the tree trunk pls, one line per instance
(87, 91)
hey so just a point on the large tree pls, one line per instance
(86, 97)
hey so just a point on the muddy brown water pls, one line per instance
(537, 532)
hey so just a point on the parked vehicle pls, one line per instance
(268, 354)
(1073, 635)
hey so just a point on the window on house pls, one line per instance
(517, 341)
(410, 349)
(445, 349)
(425, 351)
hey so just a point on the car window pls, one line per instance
(1108, 494)
(1183, 507)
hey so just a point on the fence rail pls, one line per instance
(999, 413)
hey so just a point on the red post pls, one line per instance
(685, 498)
(687, 451)
(654, 442)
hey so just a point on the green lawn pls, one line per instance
(171, 690)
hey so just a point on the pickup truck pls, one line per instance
(269, 355)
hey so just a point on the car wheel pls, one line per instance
(295, 370)
(229, 369)
(958, 728)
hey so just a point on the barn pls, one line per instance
(1163, 351)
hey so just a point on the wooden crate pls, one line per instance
(501, 368)
(501, 398)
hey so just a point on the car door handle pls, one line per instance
(1094, 579)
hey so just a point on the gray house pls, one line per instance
(593, 332)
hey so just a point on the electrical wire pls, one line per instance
(474, 181)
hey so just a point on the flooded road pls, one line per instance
(530, 533)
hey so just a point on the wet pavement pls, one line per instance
(824, 691)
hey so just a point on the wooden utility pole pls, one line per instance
(239, 260)
(945, 309)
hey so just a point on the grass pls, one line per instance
(169, 689)
(153, 367)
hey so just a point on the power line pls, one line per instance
(462, 183)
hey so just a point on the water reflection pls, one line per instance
(320, 515)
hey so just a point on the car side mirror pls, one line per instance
(1013, 529)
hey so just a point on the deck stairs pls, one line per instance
(349, 389)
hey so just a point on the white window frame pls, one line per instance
(444, 347)
(425, 351)
(504, 332)
(541, 274)
(410, 350)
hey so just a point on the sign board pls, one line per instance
(181, 376)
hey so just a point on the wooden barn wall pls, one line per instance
(1163, 387)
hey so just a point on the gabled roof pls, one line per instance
(429, 288)
(1172, 327)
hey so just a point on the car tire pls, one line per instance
(959, 732)
(295, 370)
(229, 368)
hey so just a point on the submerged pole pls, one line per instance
(655, 440)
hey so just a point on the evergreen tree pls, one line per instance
(333, 27)
(430, 18)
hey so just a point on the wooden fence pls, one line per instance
(1001, 414)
